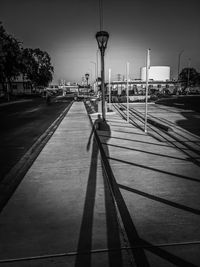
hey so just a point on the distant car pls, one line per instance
(54, 89)
(40, 89)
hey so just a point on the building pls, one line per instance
(138, 87)
(17, 87)
(159, 82)
(156, 73)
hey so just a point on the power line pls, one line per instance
(101, 14)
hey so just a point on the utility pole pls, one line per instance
(109, 80)
(127, 89)
(147, 85)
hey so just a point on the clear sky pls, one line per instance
(66, 30)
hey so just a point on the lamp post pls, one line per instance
(127, 89)
(147, 87)
(102, 40)
(97, 58)
(87, 77)
(95, 69)
(109, 80)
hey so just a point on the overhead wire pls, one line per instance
(101, 14)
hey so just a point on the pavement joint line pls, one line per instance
(17, 172)
(93, 251)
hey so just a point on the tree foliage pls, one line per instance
(36, 65)
(10, 52)
(189, 77)
(33, 64)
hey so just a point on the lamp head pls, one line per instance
(102, 39)
(87, 76)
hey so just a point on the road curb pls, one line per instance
(10, 182)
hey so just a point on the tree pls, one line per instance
(197, 79)
(189, 77)
(27, 63)
(36, 65)
(10, 51)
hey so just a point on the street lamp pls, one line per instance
(87, 77)
(97, 58)
(102, 40)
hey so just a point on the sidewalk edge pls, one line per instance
(13, 178)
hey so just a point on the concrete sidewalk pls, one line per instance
(64, 207)
(161, 188)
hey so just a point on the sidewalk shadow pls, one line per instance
(181, 176)
(138, 246)
(191, 122)
(84, 256)
(160, 199)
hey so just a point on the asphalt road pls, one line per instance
(21, 125)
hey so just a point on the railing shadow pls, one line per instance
(191, 119)
(137, 141)
(85, 236)
(148, 152)
(157, 170)
(161, 200)
(138, 245)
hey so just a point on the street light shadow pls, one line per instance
(84, 257)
